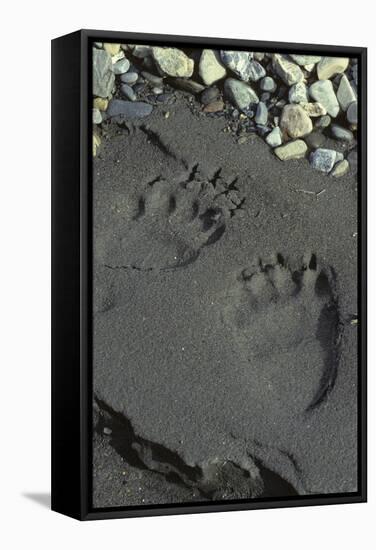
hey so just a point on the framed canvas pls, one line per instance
(208, 274)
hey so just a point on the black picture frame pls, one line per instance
(72, 286)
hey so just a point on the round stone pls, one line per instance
(315, 140)
(129, 78)
(209, 95)
(341, 133)
(128, 92)
(210, 67)
(329, 66)
(295, 121)
(267, 84)
(122, 66)
(292, 150)
(352, 113)
(274, 138)
(323, 122)
(261, 116)
(322, 91)
(240, 93)
(173, 62)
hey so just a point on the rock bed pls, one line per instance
(294, 102)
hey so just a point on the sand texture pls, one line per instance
(225, 289)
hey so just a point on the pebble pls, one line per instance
(152, 78)
(265, 96)
(128, 92)
(323, 122)
(173, 62)
(128, 109)
(352, 157)
(209, 95)
(107, 431)
(305, 59)
(288, 71)
(295, 121)
(237, 62)
(189, 85)
(314, 109)
(157, 90)
(110, 48)
(274, 138)
(340, 169)
(256, 71)
(141, 51)
(214, 107)
(96, 143)
(292, 150)
(164, 98)
(97, 117)
(261, 116)
(103, 75)
(352, 113)
(267, 84)
(210, 67)
(322, 91)
(98, 44)
(354, 73)
(129, 78)
(339, 156)
(323, 159)
(115, 58)
(341, 133)
(100, 103)
(345, 93)
(121, 66)
(298, 93)
(315, 140)
(239, 93)
(329, 66)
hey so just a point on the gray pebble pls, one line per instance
(128, 109)
(298, 93)
(152, 78)
(209, 95)
(323, 160)
(274, 138)
(121, 66)
(323, 121)
(322, 91)
(128, 92)
(352, 157)
(341, 133)
(352, 113)
(256, 71)
(265, 96)
(267, 84)
(107, 431)
(315, 140)
(261, 116)
(239, 93)
(129, 78)
(164, 98)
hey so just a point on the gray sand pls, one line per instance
(225, 361)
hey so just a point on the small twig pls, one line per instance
(305, 191)
(320, 193)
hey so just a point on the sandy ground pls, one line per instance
(225, 356)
